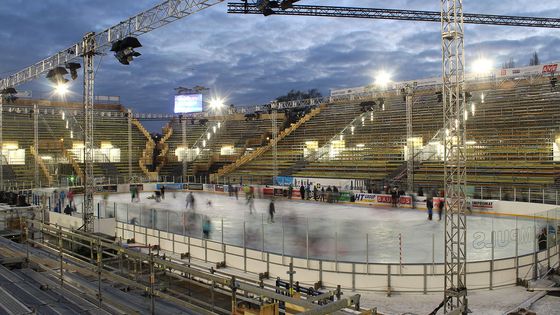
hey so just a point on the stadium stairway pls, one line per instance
(258, 152)
(44, 169)
(162, 157)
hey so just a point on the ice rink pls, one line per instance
(343, 232)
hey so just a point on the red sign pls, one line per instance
(384, 198)
(550, 68)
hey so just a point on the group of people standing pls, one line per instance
(308, 192)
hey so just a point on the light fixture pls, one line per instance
(61, 89)
(265, 6)
(382, 78)
(286, 4)
(9, 95)
(482, 66)
(73, 67)
(482, 98)
(124, 49)
(216, 104)
(360, 145)
(56, 75)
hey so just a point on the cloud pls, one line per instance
(253, 59)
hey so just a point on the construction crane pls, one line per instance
(91, 45)
(452, 21)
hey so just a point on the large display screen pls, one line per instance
(191, 103)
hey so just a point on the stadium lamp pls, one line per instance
(124, 49)
(286, 4)
(482, 66)
(216, 104)
(73, 67)
(9, 95)
(56, 75)
(61, 89)
(265, 6)
(382, 78)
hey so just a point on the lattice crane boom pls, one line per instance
(92, 44)
(144, 22)
(396, 14)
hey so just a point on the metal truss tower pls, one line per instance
(36, 145)
(185, 151)
(89, 77)
(129, 123)
(455, 177)
(274, 118)
(1, 142)
(409, 97)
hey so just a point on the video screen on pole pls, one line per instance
(191, 103)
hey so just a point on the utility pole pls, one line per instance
(453, 57)
(89, 189)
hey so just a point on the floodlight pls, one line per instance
(265, 6)
(124, 49)
(56, 75)
(9, 95)
(382, 78)
(482, 66)
(73, 67)
(286, 4)
(61, 89)
(216, 104)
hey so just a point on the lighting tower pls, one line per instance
(453, 64)
(36, 144)
(88, 55)
(274, 119)
(409, 97)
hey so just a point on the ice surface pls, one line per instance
(343, 232)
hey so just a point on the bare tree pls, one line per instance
(508, 64)
(534, 60)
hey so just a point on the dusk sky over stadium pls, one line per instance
(251, 59)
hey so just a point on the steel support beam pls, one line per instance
(89, 186)
(409, 98)
(185, 151)
(1, 141)
(453, 64)
(129, 123)
(37, 176)
(273, 119)
(396, 14)
(144, 22)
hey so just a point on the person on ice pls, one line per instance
(394, 197)
(162, 191)
(190, 201)
(271, 211)
(206, 227)
(430, 206)
(302, 192)
(440, 208)
(251, 203)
